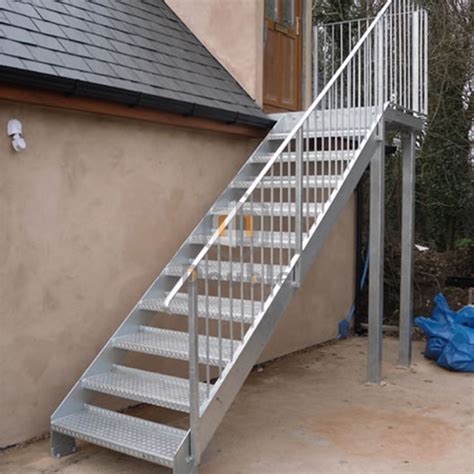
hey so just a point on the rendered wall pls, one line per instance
(90, 214)
(233, 33)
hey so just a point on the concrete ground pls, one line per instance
(312, 413)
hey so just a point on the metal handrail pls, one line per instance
(386, 66)
(213, 239)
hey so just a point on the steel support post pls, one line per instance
(377, 205)
(408, 232)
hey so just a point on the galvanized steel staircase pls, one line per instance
(236, 273)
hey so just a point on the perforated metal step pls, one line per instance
(210, 306)
(258, 239)
(285, 182)
(175, 345)
(268, 209)
(129, 435)
(224, 271)
(143, 386)
(319, 156)
(336, 133)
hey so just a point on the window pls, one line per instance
(288, 13)
(281, 12)
(271, 9)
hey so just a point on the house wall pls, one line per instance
(90, 213)
(233, 32)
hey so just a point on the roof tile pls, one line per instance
(139, 47)
(21, 21)
(10, 61)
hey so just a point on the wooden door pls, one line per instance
(282, 63)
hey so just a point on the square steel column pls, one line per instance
(408, 233)
(376, 267)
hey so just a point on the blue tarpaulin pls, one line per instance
(450, 336)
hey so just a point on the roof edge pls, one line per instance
(78, 88)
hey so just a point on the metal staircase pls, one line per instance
(236, 273)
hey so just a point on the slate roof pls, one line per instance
(136, 52)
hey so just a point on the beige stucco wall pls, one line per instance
(90, 213)
(233, 31)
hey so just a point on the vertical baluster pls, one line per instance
(410, 55)
(400, 62)
(332, 51)
(219, 302)
(242, 276)
(359, 83)
(348, 109)
(334, 132)
(369, 72)
(384, 60)
(262, 247)
(252, 272)
(289, 218)
(415, 61)
(272, 226)
(315, 146)
(426, 36)
(193, 365)
(206, 292)
(298, 203)
(341, 45)
(288, 153)
(324, 56)
(420, 59)
(392, 60)
(231, 286)
(354, 89)
(330, 133)
(306, 175)
(380, 68)
(405, 68)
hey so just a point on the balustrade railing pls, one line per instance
(258, 240)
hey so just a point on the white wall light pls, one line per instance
(15, 130)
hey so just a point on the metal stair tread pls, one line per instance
(267, 239)
(127, 434)
(179, 305)
(228, 273)
(143, 386)
(326, 156)
(268, 209)
(321, 181)
(175, 344)
(335, 133)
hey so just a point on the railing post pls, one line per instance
(193, 366)
(380, 65)
(415, 65)
(425, 62)
(298, 205)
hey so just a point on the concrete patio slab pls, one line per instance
(311, 412)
